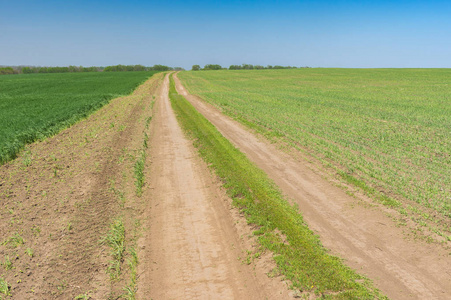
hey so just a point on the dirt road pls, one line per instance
(193, 248)
(363, 235)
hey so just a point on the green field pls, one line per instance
(34, 106)
(386, 131)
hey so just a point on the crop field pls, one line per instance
(386, 131)
(34, 106)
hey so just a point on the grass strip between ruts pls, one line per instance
(298, 253)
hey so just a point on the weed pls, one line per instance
(26, 160)
(4, 287)
(139, 173)
(146, 138)
(148, 122)
(14, 241)
(8, 265)
(29, 252)
(133, 263)
(140, 164)
(85, 296)
(35, 230)
(117, 192)
(115, 239)
(61, 286)
(130, 292)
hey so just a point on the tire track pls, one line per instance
(192, 248)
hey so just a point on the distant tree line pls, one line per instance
(240, 67)
(70, 69)
(75, 69)
(128, 68)
(258, 67)
(7, 70)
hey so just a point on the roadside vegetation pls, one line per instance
(126, 229)
(280, 228)
(36, 106)
(384, 131)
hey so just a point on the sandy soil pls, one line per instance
(356, 230)
(196, 242)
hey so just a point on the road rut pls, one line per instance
(192, 248)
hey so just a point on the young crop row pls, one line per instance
(35, 106)
(387, 131)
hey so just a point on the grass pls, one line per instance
(4, 287)
(29, 252)
(115, 239)
(35, 106)
(386, 131)
(139, 167)
(298, 253)
(85, 296)
(131, 289)
(14, 241)
(8, 265)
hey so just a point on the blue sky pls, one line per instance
(183, 33)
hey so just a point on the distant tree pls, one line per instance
(116, 68)
(7, 70)
(72, 69)
(178, 69)
(27, 70)
(247, 67)
(160, 68)
(195, 68)
(139, 68)
(212, 67)
(90, 69)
